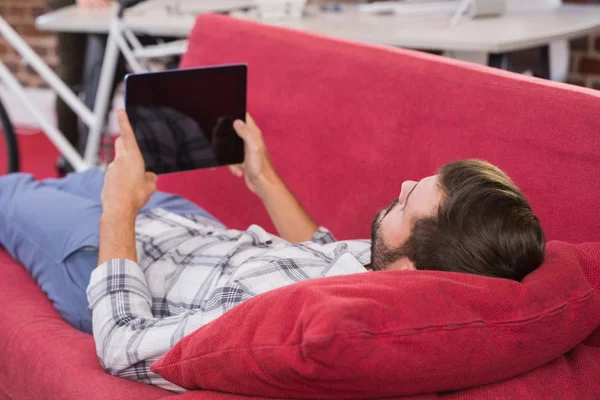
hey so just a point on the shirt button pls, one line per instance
(209, 233)
(269, 242)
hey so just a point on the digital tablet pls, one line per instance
(183, 119)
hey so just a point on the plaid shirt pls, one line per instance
(191, 271)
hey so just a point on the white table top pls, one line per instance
(74, 19)
(491, 35)
(153, 17)
(494, 35)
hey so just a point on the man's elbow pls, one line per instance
(111, 348)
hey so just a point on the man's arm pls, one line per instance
(127, 188)
(128, 337)
(117, 237)
(289, 217)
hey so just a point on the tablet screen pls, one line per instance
(183, 119)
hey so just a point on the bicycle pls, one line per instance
(121, 39)
(10, 141)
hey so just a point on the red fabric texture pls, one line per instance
(42, 357)
(38, 155)
(346, 124)
(391, 333)
(572, 377)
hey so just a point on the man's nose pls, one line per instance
(405, 189)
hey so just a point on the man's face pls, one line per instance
(392, 226)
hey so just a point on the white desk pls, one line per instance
(151, 17)
(494, 35)
(485, 41)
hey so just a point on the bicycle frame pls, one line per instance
(120, 38)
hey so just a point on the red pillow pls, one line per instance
(386, 334)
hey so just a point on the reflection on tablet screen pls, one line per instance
(177, 131)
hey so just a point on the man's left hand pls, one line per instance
(127, 185)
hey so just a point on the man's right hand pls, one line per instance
(93, 3)
(257, 169)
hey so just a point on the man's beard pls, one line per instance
(383, 256)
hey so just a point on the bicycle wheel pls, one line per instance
(9, 151)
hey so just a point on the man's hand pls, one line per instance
(127, 185)
(257, 170)
(291, 220)
(93, 3)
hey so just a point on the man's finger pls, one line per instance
(251, 124)
(236, 170)
(119, 148)
(127, 134)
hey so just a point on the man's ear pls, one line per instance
(402, 264)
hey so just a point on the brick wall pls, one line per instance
(585, 57)
(585, 62)
(21, 14)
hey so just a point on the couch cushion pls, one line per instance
(571, 377)
(392, 333)
(42, 357)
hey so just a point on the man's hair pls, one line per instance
(483, 225)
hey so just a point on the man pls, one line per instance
(166, 267)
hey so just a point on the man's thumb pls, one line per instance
(242, 129)
(151, 177)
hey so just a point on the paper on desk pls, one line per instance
(426, 9)
(194, 7)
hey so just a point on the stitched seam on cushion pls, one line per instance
(403, 332)
(481, 323)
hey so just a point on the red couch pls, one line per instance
(346, 124)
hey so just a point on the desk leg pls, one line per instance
(499, 60)
(559, 60)
(545, 69)
(103, 98)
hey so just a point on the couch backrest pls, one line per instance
(347, 123)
